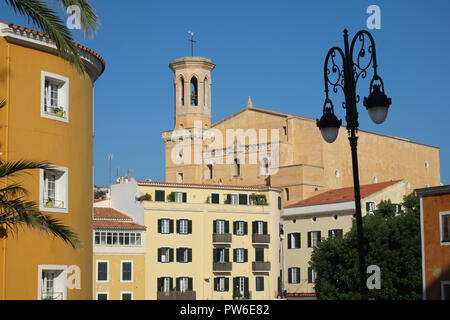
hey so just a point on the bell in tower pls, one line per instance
(192, 83)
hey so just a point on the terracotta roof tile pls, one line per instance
(223, 186)
(343, 194)
(107, 224)
(110, 213)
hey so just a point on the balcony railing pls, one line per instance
(261, 238)
(222, 267)
(50, 203)
(50, 295)
(55, 111)
(176, 295)
(261, 266)
(221, 237)
(246, 295)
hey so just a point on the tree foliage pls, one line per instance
(392, 242)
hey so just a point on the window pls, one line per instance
(398, 207)
(215, 198)
(184, 255)
(165, 226)
(240, 228)
(165, 255)
(220, 226)
(102, 271)
(259, 227)
(182, 90)
(126, 295)
(117, 238)
(54, 190)
(445, 290)
(184, 226)
(180, 176)
(370, 206)
(313, 238)
(236, 168)
(445, 227)
(335, 233)
(102, 296)
(284, 130)
(221, 284)
(312, 275)
(184, 284)
(126, 271)
(240, 287)
(165, 284)
(180, 196)
(210, 171)
(279, 203)
(240, 255)
(243, 199)
(259, 283)
(160, 195)
(294, 275)
(221, 255)
(194, 92)
(54, 97)
(375, 179)
(52, 282)
(294, 240)
(259, 254)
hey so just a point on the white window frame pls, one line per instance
(240, 231)
(178, 196)
(210, 197)
(162, 225)
(294, 272)
(166, 284)
(292, 240)
(219, 230)
(236, 197)
(221, 284)
(313, 276)
(372, 206)
(107, 271)
(62, 187)
(167, 255)
(185, 228)
(311, 235)
(63, 95)
(260, 227)
(63, 275)
(121, 270)
(97, 293)
(441, 228)
(242, 255)
(126, 292)
(444, 283)
(185, 282)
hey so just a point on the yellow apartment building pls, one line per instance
(48, 117)
(119, 255)
(327, 214)
(205, 241)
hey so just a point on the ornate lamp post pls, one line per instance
(377, 104)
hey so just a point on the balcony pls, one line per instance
(261, 266)
(176, 295)
(51, 203)
(222, 267)
(261, 238)
(50, 295)
(55, 111)
(221, 237)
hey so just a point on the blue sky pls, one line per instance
(272, 51)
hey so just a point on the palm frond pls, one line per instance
(89, 19)
(11, 191)
(2, 103)
(14, 167)
(44, 17)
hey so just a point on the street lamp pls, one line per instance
(377, 104)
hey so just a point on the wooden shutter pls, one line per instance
(171, 226)
(245, 284)
(229, 198)
(215, 226)
(227, 255)
(259, 254)
(319, 237)
(289, 242)
(159, 225)
(264, 227)
(160, 284)
(216, 284)
(170, 254)
(254, 227)
(178, 255)
(189, 255)
(184, 197)
(159, 254)
(245, 228)
(243, 199)
(227, 226)
(235, 227)
(177, 288)
(214, 254)
(289, 275)
(227, 284)
(234, 255)
(309, 275)
(178, 225)
(309, 239)
(190, 226)
(190, 284)
(245, 255)
(279, 203)
(445, 228)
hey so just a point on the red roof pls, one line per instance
(108, 224)
(343, 194)
(220, 186)
(110, 213)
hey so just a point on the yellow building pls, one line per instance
(48, 117)
(119, 256)
(256, 146)
(328, 214)
(205, 241)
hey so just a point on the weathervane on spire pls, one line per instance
(192, 41)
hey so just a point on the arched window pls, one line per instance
(182, 91)
(237, 168)
(194, 92)
(205, 86)
(210, 171)
(287, 193)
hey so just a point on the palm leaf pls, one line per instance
(45, 18)
(15, 167)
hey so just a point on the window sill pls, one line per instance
(54, 117)
(52, 209)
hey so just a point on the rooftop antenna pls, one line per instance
(110, 157)
(192, 41)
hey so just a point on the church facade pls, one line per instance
(259, 147)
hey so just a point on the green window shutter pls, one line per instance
(309, 275)
(309, 239)
(234, 227)
(229, 198)
(243, 199)
(235, 284)
(177, 288)
(227, 284)
(190, 284)
(299, 240)
(160, 195)
(245, 228)
(227, 255)
(289, 275)
(171, 283)
(234, 255)
(227, 226)
(178, 226)
(215, 198)
(178, 254)
(190, 226)
(171, 226)
(264, 227)
(319, 237)
(189, 255)
(245, 255)
(184, 197)
(126, 271)
(214, 254)
(160, 284)
(254, 227)
(102, 271)
(289, 242)
(215, 226)
(246, 285)
(171, 255)
(216, 284)
(259, 254)
(159, 254)
(159, 225)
